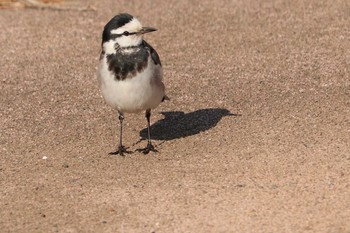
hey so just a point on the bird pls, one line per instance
(130, 73)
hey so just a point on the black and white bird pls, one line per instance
(130, 72)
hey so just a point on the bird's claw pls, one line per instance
(120, 151)
(147, 149)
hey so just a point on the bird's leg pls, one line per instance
(121, 149)
(149, 146)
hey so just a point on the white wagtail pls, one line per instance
(130, 72)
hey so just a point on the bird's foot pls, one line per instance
(147, 149)
(120, 151)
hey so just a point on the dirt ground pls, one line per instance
(256, 137)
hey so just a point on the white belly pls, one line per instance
(142, 92)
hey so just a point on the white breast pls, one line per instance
(142, 92)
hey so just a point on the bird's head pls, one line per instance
(125, 30)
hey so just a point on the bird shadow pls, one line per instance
(177, 124)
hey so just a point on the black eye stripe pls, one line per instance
(126, 33)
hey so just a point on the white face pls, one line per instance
(132, 40)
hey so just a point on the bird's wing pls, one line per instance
(156, 60)
(154, 54)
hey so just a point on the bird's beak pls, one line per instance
(147, 30)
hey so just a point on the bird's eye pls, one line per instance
(126, 33)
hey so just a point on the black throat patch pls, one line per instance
(127, 65)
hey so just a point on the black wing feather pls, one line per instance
(154, 54)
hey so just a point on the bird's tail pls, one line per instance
(165, 97)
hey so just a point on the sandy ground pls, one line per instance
(256, 137)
